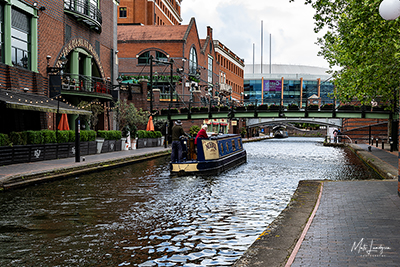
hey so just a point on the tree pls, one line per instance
(96, 108)
(129, 118)
(362, 47)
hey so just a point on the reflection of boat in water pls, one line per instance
(280, 132)
(214, 155)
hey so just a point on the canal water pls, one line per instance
(140, 216)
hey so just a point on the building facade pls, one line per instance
(231, 74)
(149, 12)
(63, 52)
(287, 84)
(177, 50)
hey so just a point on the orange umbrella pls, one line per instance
(150, 125)
(63, 124)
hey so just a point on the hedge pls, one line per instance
(110, 135)
(4, 140)
(148, 134)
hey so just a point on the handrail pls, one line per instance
(78, 82)
(85, 8)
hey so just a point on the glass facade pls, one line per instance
(270, 91)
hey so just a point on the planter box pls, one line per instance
(33, 153)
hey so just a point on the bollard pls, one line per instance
(383, 144)
(376, 142)
(391, 146)
(355, 142)
(369, 148)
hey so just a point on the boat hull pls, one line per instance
(210, 167)
(214, 155)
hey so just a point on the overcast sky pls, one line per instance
(237, 24)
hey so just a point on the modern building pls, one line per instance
(149, 12)
(287, 84)
(55, 56)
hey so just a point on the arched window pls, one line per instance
(192, 61)
(144, 58)
(161, 56)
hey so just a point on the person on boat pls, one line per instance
(202, 133)
(177, 132)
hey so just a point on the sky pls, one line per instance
(237, 24)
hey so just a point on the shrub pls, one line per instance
(49, 136)
(4, 140)
(102, 134)
(158, 134)
(91, 135)
(71, 136)
(35, 137)
(62, 136)
(84, 135)
(140, 134)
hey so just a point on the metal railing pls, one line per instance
(76, 82)
(84, 7)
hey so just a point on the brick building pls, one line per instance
(231, 74)
(149, 12)
(195, 66)
(55, 55)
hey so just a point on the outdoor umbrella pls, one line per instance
(150, 125)
(63, 124)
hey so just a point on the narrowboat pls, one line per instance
(280, 132)
(213, 156)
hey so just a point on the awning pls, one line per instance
(35, 102)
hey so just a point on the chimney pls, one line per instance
(209, 32)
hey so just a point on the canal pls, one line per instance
(140, 216)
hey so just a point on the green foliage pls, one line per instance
(362, 47)
(35, 137)
(194, 130)
(91, 135)
(84, 135)
(71, 136)
(96, 108)
(4, 140)
(243, 131)
(62, 136)
(129, 115)
(148, 134)
(49, 136)
(110, 135)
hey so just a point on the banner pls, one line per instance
(272, 85)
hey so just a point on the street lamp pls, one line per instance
(389, 9)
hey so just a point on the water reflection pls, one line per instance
(140, 216)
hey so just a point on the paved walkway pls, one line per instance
(8, 173)
(357, 223)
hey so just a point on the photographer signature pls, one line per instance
(369, 249)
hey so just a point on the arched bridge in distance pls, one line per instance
(264, 117)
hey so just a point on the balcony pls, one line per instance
(225, 89)
(84, 12)
(73, 84)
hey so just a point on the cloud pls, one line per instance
(237, 24)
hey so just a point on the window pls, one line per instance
(144, 58)
(210, 69)
(20, 25)
(192, 61)
(161, 56)
(122, 12)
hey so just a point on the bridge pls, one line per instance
(263, 117)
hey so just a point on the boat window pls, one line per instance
(227, 147)
(233, 145)
(222, 149)
(240, 144)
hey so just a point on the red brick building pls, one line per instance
(195, 66)
(231, 74)
(149, 12)
(57, 55)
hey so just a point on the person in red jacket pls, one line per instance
(202, 133)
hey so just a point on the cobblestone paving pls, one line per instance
(357, 224)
